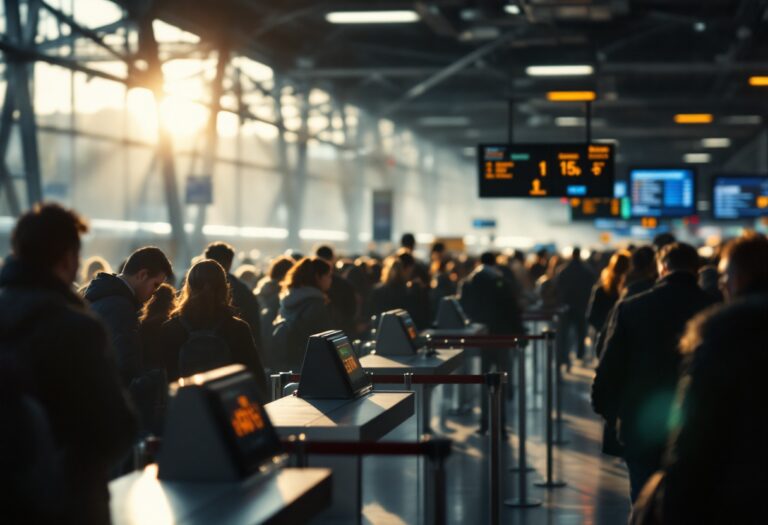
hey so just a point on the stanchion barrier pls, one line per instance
(495, 382)
(278, 382)
(550, 482)
(522, 500)
(435, 450)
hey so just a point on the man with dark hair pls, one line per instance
(638, 372)
(66, 367)
(408, 241)
(573, 285)
(343, 302)
(642, 271)
(744, 266)
(420, 269)
(243, 298)
(117, 299)
(663, 239)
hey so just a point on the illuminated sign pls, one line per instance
(741, 197)
(599, 208)
(348, 358)
(247, 417)
(665, 192)
(546, 170)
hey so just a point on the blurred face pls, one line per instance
(144, 284)
(729, 281)
(324, 281)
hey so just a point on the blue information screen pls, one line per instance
(743, 197)
(663, 192)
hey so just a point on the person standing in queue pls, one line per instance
(117, 300)
(303, 311)
(399, 289)
(341, 296)
(204, 332)
(716, 462)
(605, 294)
(488, 298)
(243, 299)
(638, 372)
(642, 272)
(420, 269)
(65, 353)
(573, 286)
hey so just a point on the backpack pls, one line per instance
(286, 348)
(203, 350)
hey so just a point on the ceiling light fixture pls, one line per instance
(743, 120)
(512, 9)
(559, 71)
(373, 17)
(697, 158)
(444, 121)
(716, 143)
(758, 81)
(694, 118)
(571, 96)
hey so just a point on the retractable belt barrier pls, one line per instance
(514, 342)
(494, 382)
(436, 450)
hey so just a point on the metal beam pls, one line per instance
(445, 73)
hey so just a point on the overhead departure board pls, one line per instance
(546, 170)
(740, 197)
(591, 208)
(663, 192)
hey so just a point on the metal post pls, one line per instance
(522, 500)
(438, 504)
(536, 349)
(494, 382)
(274, 385)
(559, 440)
(550, 482)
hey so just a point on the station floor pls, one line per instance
(597, 485)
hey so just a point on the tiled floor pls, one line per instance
(596, 491)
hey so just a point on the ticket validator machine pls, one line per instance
(450, 314)
(397, 334)
(217, 429)
(331, 369)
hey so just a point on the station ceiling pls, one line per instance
(451, 74)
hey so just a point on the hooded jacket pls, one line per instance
(65, 352)
(305, 313)
(113, 301)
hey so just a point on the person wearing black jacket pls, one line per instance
(243, 299)
(636, 378)
(205, 305)
(117, 300)
(341, 296)
(605, 293)
(642, 272)
(398, 289)
(573, 286)
(64, 352)
(717, 460)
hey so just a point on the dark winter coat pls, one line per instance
(488, 298)
(718, 469)
(114, 302)
(65, 352)
(304, 312)
(233, 331)
(637, 375)
(342, 303)
(246, 306)
(412, 297)
(573, 284)
(600, 305)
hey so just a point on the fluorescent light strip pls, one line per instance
(716, 142)
(323, 235)
(512, 9)
(447, 121)
(743, 120)
(373, 17)
(559, 71)
(697, 158)
(758, 81)
(571, 96)
(694, 118)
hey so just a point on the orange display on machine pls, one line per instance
(546, 170)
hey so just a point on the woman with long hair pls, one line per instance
(398, 289)
(303, 311)
(203, 331)
(606, 291)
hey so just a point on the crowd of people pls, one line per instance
(88, 361)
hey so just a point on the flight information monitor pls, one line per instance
(591, 208)
(546, 170)
(663, 192)
(740, 197)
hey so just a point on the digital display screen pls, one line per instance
(546, 170)
(410, 328)
(669, 192)
(254, 437)
(591, 208)
(351, 363)
(743, 197)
